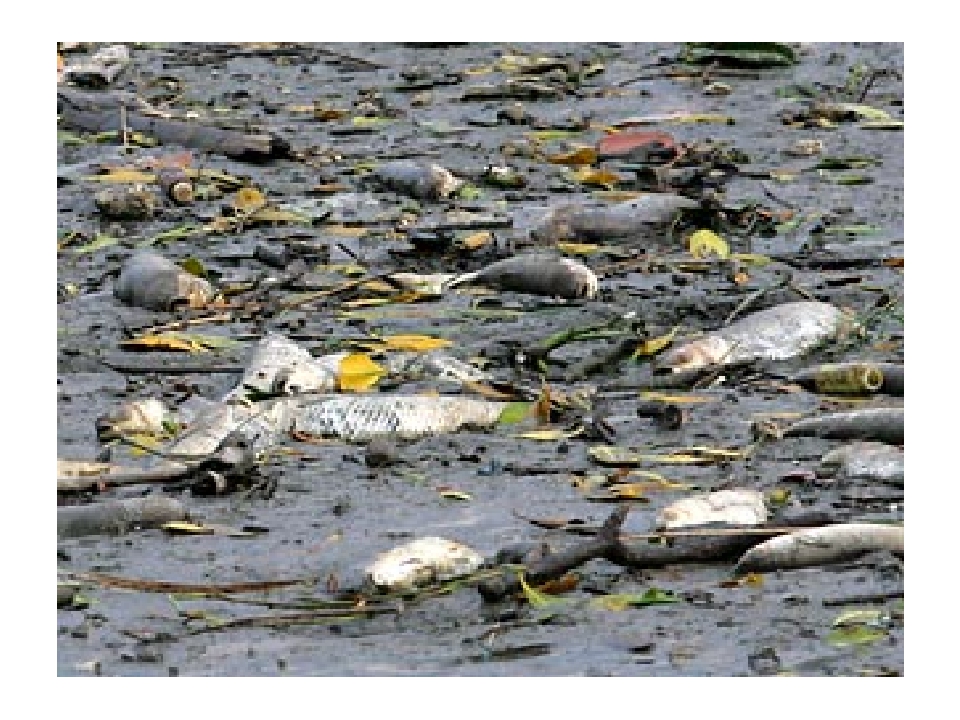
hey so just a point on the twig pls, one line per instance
(873, 78)
(770, 194)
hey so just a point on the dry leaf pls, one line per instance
(357, 372)
(414, 343)
(121, 176)
(476, 240)
(577, 248)
(163, 341)
(546, 435)
(675, 399)
(652, 346)
(600, 178)
(248, 200)
(541, 408)
(580, 156)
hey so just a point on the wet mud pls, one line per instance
(321, 512)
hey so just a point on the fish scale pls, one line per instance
(410, 416)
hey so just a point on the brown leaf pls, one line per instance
(560, 585)
(623, 143)
(541, 409)
(580, 156)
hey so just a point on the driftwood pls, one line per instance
(118, 516)
(106, 112)
(637, 551)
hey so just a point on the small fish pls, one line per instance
(821, 546)
(357, 419)
(733, 507)
(645, 218)
(536, 273)
(866, 460)
(151, 281)
(426, 181)
(422, 562)
(778, 333)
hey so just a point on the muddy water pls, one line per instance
(331, 514)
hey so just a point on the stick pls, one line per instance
(162, 586)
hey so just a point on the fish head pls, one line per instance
(584, 279)
(700, 353)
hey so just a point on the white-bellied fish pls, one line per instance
(777, 333)
(740, 506)
(422, 562)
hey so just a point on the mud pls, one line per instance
(331, 513)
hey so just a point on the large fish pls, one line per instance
(359, 418)
(645, 218)
(777, 333)
(535, 273)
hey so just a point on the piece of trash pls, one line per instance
(153, 282)
(739, 506)
(422, 562)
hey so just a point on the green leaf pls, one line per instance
(622, 601)
(194, 267)
(845, 163)
(755, 54)
(860, 617)
(854, 635)
(515, 412)
(468, 192)
(536, 598)
(98, 243)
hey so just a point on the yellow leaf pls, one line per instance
(675, 399)
(652, 346)
(477, 240)
(546, 435)
(600, 178)
(616, 195)
(704, 243)
(268, 215)
(357, 372)
(414, 343)
(580, 156)
(163, 341)
(248, 200)
(367, 302)
(577, 248)
(344, 231)
(541, 408)
(123, 175)
(186, 528)
(751, 258)
(378, 286)
(482, 70)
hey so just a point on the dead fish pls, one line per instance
(151, 281)
(777, 333)
(855, 378)
(356, 419)
(432, 284)
(422, 562)
(426, 181)
(435, 364)
(258, 425)
(821, 546)
(139, 416)
(884, 424)
(281, 366)
(645, 218)
(112, 517)
(536, 273)
(873, 461)
(734, 507)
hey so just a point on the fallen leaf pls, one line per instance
(535, 597)
(515, 412)
(674, 399)
(623, 143)
(476, 240)
(357, 372)
(456, 495)
(560, 585)
(705, 243)
(247, 200)
(617, 602)
(186, 528)
(547, 435)
(163, 341)
(541, 408)
(577, 248)
(854, 635)
(580, 156)
(124, 176)
(751, 259)
(414, 343)
(599, 178)
(652, 346)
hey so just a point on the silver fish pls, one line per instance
(359, 418)
(820, 546)
(645, 218)
(777, 333)
(735, 507)
(536, 273)
(427, 181)
(259, 425)
(279, 365)
(866, 460)
(422, 562)
(151, 281)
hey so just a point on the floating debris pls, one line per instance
(777, 333)
(733, 507)
(356, 419)
(151, 281)
(645, 219)
(821, 546)
(538, 274)
(873, 461)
